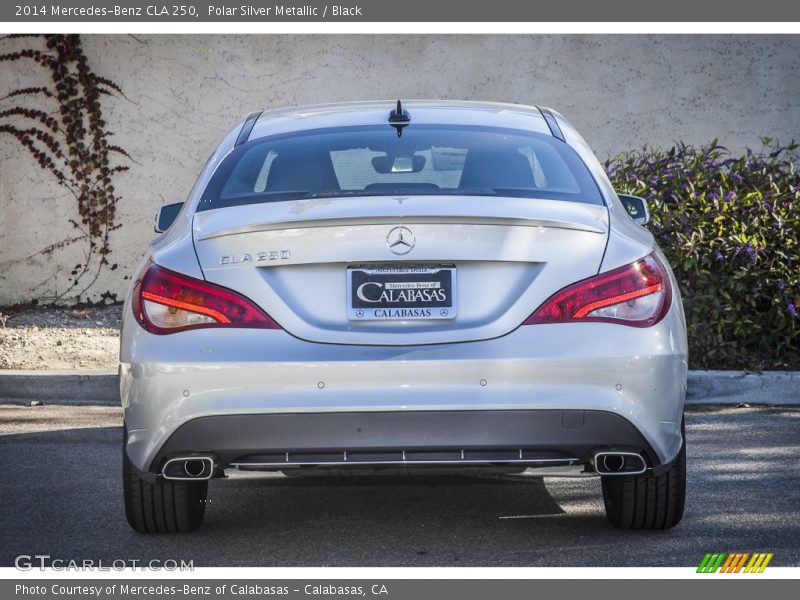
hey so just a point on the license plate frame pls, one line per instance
(407, 293)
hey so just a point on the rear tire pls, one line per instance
(161, 506)
(647, 501)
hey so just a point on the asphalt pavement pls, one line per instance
(61, 495)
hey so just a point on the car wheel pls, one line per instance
(161, 506)
(647, 501)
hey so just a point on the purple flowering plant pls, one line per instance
(730, 226)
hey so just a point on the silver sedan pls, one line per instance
(418, 285)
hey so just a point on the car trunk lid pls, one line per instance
(506, 256)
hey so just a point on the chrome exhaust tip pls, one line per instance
(613, 462)
(619, 463)
(188, 468)
(194, 468)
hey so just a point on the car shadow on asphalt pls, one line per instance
(65, 499)
(62, 496)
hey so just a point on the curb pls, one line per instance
(60, 387)
(102, 387)
(735, 387)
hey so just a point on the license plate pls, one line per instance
(407, 292)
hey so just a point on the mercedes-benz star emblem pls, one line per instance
(400, 240)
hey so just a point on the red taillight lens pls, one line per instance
(167, 302)
(637, 294)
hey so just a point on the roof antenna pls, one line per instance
(399, 118)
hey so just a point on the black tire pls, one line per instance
(161, 506)
(647, 501)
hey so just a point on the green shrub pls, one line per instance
(730, 226)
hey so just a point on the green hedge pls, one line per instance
(730, 226)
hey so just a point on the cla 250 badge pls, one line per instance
(247, 257)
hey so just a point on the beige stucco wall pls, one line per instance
(183, 92)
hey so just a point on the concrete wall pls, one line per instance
(183, 92)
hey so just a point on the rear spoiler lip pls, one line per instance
(328, 221)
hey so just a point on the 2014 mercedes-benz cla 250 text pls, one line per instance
(420, 286)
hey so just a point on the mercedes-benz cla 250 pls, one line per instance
(426, 286)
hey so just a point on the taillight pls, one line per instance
(637, 294)
(167, 302)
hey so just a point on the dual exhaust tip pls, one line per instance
(188, 468)
(619, 463)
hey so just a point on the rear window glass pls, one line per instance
(425, 160)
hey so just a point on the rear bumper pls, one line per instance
(469, 438)
(254, 392)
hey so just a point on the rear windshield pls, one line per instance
(426, 160)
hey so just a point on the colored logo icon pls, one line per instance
(735, 562)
